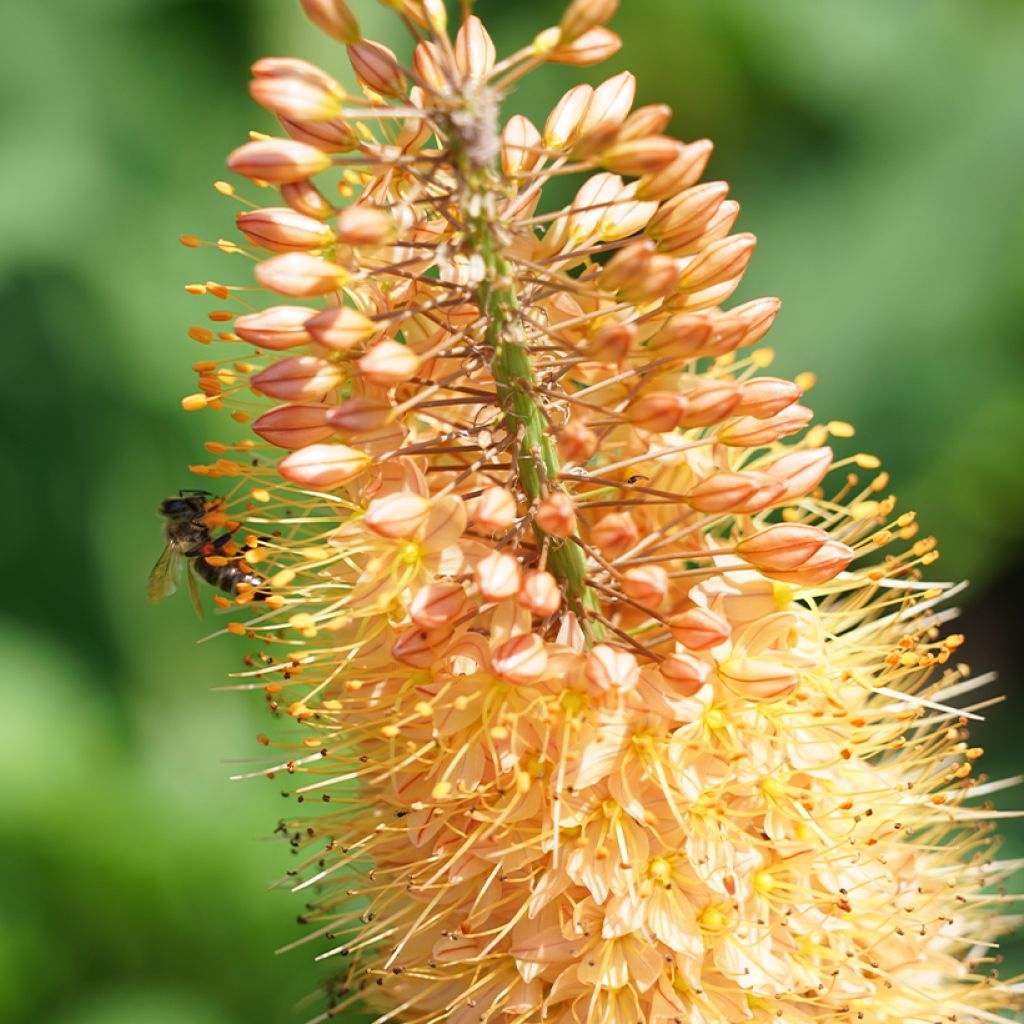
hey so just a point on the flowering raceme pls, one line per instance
(619, 699)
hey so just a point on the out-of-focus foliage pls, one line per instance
(878, 151)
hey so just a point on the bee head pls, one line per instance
(183, 506)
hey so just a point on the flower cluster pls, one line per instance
(617, 701)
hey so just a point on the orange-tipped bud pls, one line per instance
(276, 328)
(293, 426)
(583, 15)
(756, 317)
(397, 516)
(323, 466)
(278, 160)
(298, 378)
(783, 547)
(611, 668)
(333, 136)
(615, 534)
(556, 515)
(360, 415)
(697, 629)
(576, 442)
(724, 261)
(389, 363)
(659, 411)
(590, 48)
(640, 274)
(301, 276)
(638, 157)
(611, 341)
(474, 50)
(377, 68)
(495, 510)
(419, 647)
(685, 335)
(710, 402)
(281, 229)
(305, 198)
(683, 172)
(365, 225)
(646, 584)
(757, 678)
(688, 213)
(684, 673)
(749, 432)
(605, 115)
(764, 397)
(824, 565)
(520, 147)
(334, 18)
(522, 659)
(498, 576)
(649, 120)
(802, 470)
(540, 594)
(297, 98)
(563, 123)
(341, 328)
(736, 492)
(437, 605)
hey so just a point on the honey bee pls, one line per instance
(189, 542)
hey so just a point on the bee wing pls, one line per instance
(193, 589)
(163, 579)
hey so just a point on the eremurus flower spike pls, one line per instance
(619, 705)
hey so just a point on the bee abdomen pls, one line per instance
(230, 578)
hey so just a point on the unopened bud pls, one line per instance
(293, 426)
(276, 328)
(684, 673)
(684, 171)
(539, 593)
(749, 432)
(305, 198)
(605, 114)
(389, 363)
(474, 50)
(323, 466)
(611, 341)
(563, 123)
(498, 576)
(495, 510)
(638, 157)
(659, 411)
(520, 147)
(301, 276)
(522, 659)
(341, 328)
(297, 98)
(437, 605)
(584, 15)
(360, 415)
(824, 565)
(590, 48)
(333, 136)
(278, 160)
(576, 442)
(687, 214)
(685, 335)
(644, 121)
(763, 397)
(397, 516)
(556, 515)
(281, 229)
(802, 470)
(365, 225)
(698, 629)
(298, 378)
(334, 18)
(420, 648)
(757, 678)
(611, 668)
(724, 261)
(377, 68)
(710, 402)
(615, 534)
(646, 584)
(782, 547)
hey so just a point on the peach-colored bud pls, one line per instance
(333, 136)
(474, 50)
(341, 328)
(323, 466)
(611, 668)
(540, 593)
(770, 491)
(757, 318)
(615, 534)
(305, 198)
(377, 68)
(757, 678)
(684, 334)
(824, 565)
(583, 15)
(360, 415)
(639, 274)
(699, 241)
(498, 576)
(495, 510)
(590, 48)
(301, 276)
(611, 341)
(278, 160)
(735, 492)
(419, 647)
(782, 547)
(576, 442)
(389, 363)
(659, 411)
(365, 225)
(689, 212)
(649, 120)
(293, 426)
(638, 157)
(802, 470)
(522, 659)
(724, 261)
(276, 328)
(520, 147)
(296, 98)
(298, 378)
(710, 402)
(398, 515)
(556, 515)
(563, 123)
(605, 114)
(334, 18)
(437, 605)
(281, 229)
(749, 432)
(646, 584)
(684, 673)
(763, 397)
(683, 172)
(697, 629)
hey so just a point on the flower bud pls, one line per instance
(297, 98)
(782, 547)
(389, 363)
(685, 335)
(683, 172)
(710, 402)
(293, 426)
(611, 668)
(556, 515)
(360, 415)
(539, 593)
(688, 213)
(724, 261)
(684, 672)
(365, 225)
(333, 136)
(639, 274)
(584, 15)
(397, 516)
(757, 678)
(281, 229)
(276, 328)
(522, 659)
(698, 629)
(749, 432)
(699, 241)
(563, 123)
(722, 492)
(305, 198)
(474, 50)
(520, 147)
(611, 341)
(341, 328)
(576, 442)
(495, 510)
(659, 411)
(437, 605)
(334, 18)
(590, 48)
(605, 115)
(764, 397)
(301, 276)
(377, 68)
(278, 160)
(802, 470)
(419, 647)
(824, 565)
(428, 64)
(615, 534)
(638, 157)
(649, 120)
(498, 576)
(323, 466)
(298, 378)
(646, 584)
(756, 317)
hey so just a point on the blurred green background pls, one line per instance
(878, 149)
